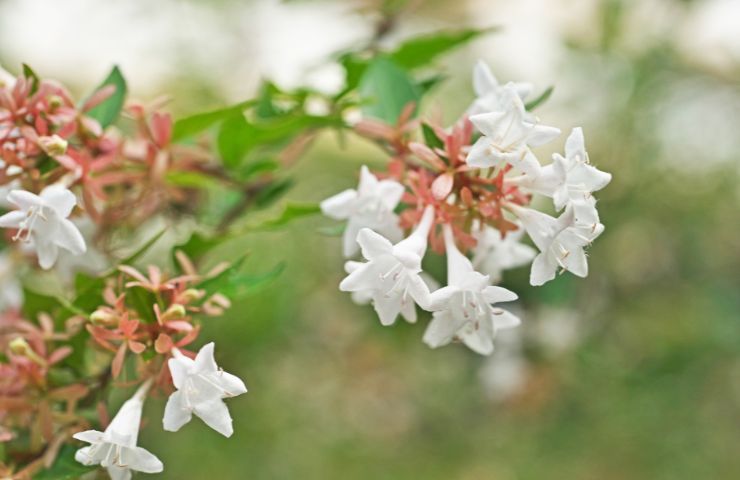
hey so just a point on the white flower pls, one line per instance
(507, 136)
(11, 291)
(391, 276)
(489, 91)
(561, 242)
(43, 219)
(568, 179)
(463, 309)
(115, 449)
(201, 387)
(370, 206)
(92, 262)
(495, 253)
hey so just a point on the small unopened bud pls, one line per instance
(55, 101)
(19, 346)
(192, 294)
(53, 145)
(103, 317)
(175, 312)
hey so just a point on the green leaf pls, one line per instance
(428, 84)
(273, 192)
(142, 300)
(420, 51)
(193, 179)
(430, 137)
(234, 139)
(235, 284)
(291, 212)
(187, 127)
(108, 111)
(388, 89)
(141, 250)
(539, 100)
(31, 75)
(258, 167)
(65, 467)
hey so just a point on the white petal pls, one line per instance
(24, 200)
(231, 384)
(89, 436)
(390, 192)
(483, 79)
(387, 308)
(441, 330)
(373, 245)
(541, 135)
(575, 144)
(576, 262)
(364, 277)
(83, 456)
(70, 238)
(349, 238)
(179, 366)
(12, 219)
(60, 199)
(543, 270)
(494, 294)
(505, 319)
(204, 361)
(488, 124)
(408, 310)
(216, 415)
(176, 413)
(480, 154)
(340, 205)
(439, 299)
(47, 253)
(119, 473)
(145, 461)
(477, 341)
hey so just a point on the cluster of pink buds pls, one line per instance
(466, 191)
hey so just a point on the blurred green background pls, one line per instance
(633, 373)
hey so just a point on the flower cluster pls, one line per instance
(74, 180)
(466, 191)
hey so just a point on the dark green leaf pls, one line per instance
(273, 192)
(430, 137)
(193, 179)
(108, 111)
(531, 105)
(257, 167)
(31, 75)
(388, 89)
(426, 85)
(291, 212)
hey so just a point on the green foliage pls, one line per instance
(388, 89)
(420, 51)
(65, 467)
(108, 111)
(29, 74)
(192, 125)
(542, 98)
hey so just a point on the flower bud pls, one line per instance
(19, 346)
(174, 312)
(103, 317)
(53, 145)
(55, 101)
(191, 294)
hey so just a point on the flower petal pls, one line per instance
(176, 413)
(145, 461)
(70, 238)
(60, 199)
(543, 270)
(216, 415)
(373, 245)
(204, 361)
(339, 206)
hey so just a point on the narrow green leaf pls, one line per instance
(143, 249)
(291, 212)
(420, 51)
(108, 111)
(193, 179)
(273, 192)
(430, 137)
(194, 124)
(388, 89)
(531, 105)
(31, 75)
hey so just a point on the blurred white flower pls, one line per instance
(495, 253)
(391, 276)
(507, 136)
(92, 261)
(463, 309)
(490, 92)
(7, 80)
(11, 291)
(201, 387)
(43, 219)
(505, 373)
(115, 449)
(370, 206)
(561, 242)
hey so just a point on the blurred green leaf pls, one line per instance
(193, 179)
(273, 192)
(31, 75)
(108, 110)
(420, 51)
(531, 105)
(430, 137)
(291, 212)
(194, 124)
(388, 89)
(257, 167)
(234, 139)
(65, 467)
(140, 251)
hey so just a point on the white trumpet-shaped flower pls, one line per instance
(464, 309)
(42, 219)
(561, 242)
(507, 136)
(201, 387)
(115, 448)
(495, 252)
(489, 91)
(569, 179)
(370, 206)
(391, 277)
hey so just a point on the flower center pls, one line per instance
(25, 229)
